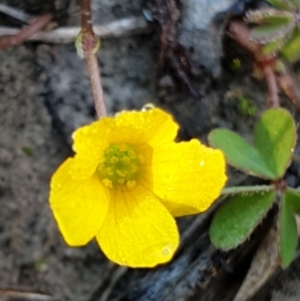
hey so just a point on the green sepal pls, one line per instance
(235, 220)
(275, 138)
(288, 236)
(291, 50)
(239, 153)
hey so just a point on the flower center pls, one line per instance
(120, 166)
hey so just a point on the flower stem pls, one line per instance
(90, 43)
(246, 189)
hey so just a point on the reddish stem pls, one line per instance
(95, 79)
(35, 25)
(89, 42)
(289, 87)
(240, 33)
(273, 99)
(86, 22)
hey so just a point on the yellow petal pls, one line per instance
(138, 230)
(79, 206)
(142, 129)
(187, 176)
(90, 141)
(153, 127)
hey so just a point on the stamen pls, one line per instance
(131, 184)
(107, 183)
(120, 166)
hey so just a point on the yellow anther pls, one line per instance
(121, 173)
(110, 171)
(120, 166)
(131, 184)
(107, 183)
(114, 160)
(133, 168)
(125, 160)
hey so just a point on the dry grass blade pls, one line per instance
(13, 295)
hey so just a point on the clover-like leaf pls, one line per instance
(273, 24)
(293, 197)
(275, 138)
(271, 32)
(269, 16)
(288, 237)
(235, 221)
(291, 50)
(239, 153)
(273, 47)
(293, 4)
(282, 4)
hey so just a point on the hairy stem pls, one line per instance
(246, 189)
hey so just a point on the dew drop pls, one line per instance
(147, 107)
(167, 250)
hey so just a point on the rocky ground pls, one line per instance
(45, 95)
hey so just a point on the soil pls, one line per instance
(45, 95)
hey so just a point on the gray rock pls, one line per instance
(201, 32)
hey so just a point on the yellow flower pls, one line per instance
(127, 181)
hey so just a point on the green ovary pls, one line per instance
(120, 166)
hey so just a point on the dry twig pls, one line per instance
(13, 295)
(62, 35)
(35, 25)
(15, 13)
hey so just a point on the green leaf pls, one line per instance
(246, 106)
(239, 153)
(288, 237)
(234, 222)
(269, 16)
(291, 50)
(293, 4)
(268, 33)
(275, 138)
(273, 47)
(273, 24)
(280, 4)
(293, 198)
